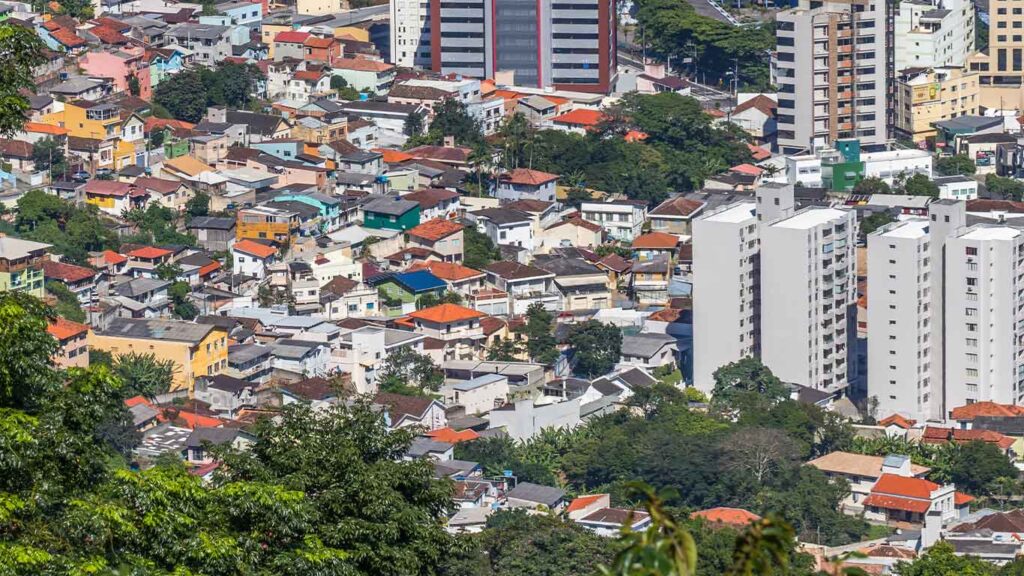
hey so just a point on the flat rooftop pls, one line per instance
(991, 233)
(735, 213)
(811, 217)
(909, 229)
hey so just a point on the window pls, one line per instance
(971, 250)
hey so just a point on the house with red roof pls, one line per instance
(443, 237)
(938, 435)
(289, 44)
(143, 262)
(73, 338)
(722, 516)
(459, 278)
(456, 326)
(652, 245)
(578, 121)
(109, 262)
(901, 499)
(365, 74)
(252, 258)
(526, 184)
(114, 197)
(965, 415)
(676, 215)
(756, 116)
(81, 281)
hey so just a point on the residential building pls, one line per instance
(342, 298)
(649, 280)
(364, 350)
(213, 233)
(524, 285)
(651, 245)
(410, 33)
(266, 223)
(21, 265)
(526, 184)
(726, 318)
(897, 498)
(391, 212)
(648, 351)
(621, 219)
(459, 278)
(984, 316)
(252, 258)
(443, 237)
(832, 70)
(956, 187)
(113, 197)
(300, 357)
(225, 394)
(899, 319)
(524, 419)
(574, 50)
(195, 349)
(478, 395)
(930, 33)
(928, 95)
(73, 339)
(506, 226)
(364, 74)
(400, 292)
(808, 297)
(675, 215)
(583, 285)
(1001, 63)
(756, 115)
(436, 203)
(79, 280)
(409, 411)
(250, 362)
(208, 43)
(862, 471)
(456, 326)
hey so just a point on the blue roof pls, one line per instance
(419, 281)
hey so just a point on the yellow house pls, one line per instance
(21, 265)
(83, 119)
(269, 31)
(356, 33)
(925, 96)
(196, 349)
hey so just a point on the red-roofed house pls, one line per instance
(937, 435)
(325, 50)
(143, 262)
(756, 116)
(527, 184)
(579, 120)
(675, 215)
(903, 499)
(458, 277)
(451, 435)
(457, 326)
(648, 247)
(110, 262)
(81, 281)
(444, 237)
(74, 343)
(583, 506)
(252, 258)
(114, 197)
(289, 44)
(964, 415)
(731, 517)
(365, 74)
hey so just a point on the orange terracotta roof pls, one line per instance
(447, 270)
(361, 64)
(62, 329)
(656, 240)
(152, 123)
(66, 272)
(763, 104)
(581, 502)
(747, 169)
(897, 420)
(894, 485)
(758, 153)
(318, 42)
(68, 38)
(528, 177)
(291, 37)
(972, 411)
(136, 400)
(308, 75)
(579, 117)
(393, 156)
(192, 420)
(45, 128)
(897, 503)
(436, 229)
(255, 248)
(446, 313)
(149, 252)
(635, 136)
(508, 94)
(556, 100)
(451, 436)
(938, 435)
(209, 268)
(959, 499)
(731, 516)
(111, 257)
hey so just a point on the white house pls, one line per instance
(648, 350)
(252, 258)
(479, 395)
(363, 351)
(621, 219)
(525, 285)
(506, 226)
(304, 357)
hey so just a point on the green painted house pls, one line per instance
(391, 212)
(399, 292)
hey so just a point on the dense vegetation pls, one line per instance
(72, 230)
(186, 95)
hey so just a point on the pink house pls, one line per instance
(119, 66)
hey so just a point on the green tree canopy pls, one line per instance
(920, 185)
(20, 51)
(540, 339)
(145, 374)
(957, 165)
(597, 346)
(872, 185)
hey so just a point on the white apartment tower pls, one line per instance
(808, 297)
(899, 319)
(933, 33)
(831, 73)
(725, 291)
(410, 33)
(984, 309)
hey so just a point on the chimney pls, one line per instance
(449, 141)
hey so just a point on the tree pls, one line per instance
(73, 231)
(20, 51)
(338, 82)
(597, 346)
(145, 374)
(747, 382)
(504, 350)
(977, 465)
(429, 300)
(957, 165)
(231, 84)
(516, 135)
(48, 155)
(1008, 188)
(540, 341)
(413, 125)
(67, 305)
(941, 560)
(406, 371)
(26, 369)
(183, 95)
(198, 205)
(872, 185)
(920, 185)
(134, 88)
(759, 451)
(156, 138)
(478, 249)
(451, 119)
(874, 221)
(182, 307)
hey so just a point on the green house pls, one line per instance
(399, 292)
(391, 212)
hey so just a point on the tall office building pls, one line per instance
(933, 33)
(808, 297)
(984, 308)
(899, 319)
(565, 45)
(725, 290)
(410, 33)
(832, 73)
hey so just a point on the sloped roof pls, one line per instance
(678, 206)
(436, 229)
(361, 65)
(760, 102)
(255, 248)
(853, 464)
(62, 328)
(446, 313)
(528, 177)
(66, 272)
(737, 517)
(580, 117)
(894, 485)
(149, 252)
(511, 270)
(430, 197)
(447, 270)
(656, 240)
(292, 37)
(971, 411)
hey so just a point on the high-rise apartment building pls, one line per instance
(808, 297)
(1001, 64)
(726, 290)
(832, 73)
(565, 45)
(932, 33)
(984, 314)
(899, 319)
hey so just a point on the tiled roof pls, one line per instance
(66, 272)
(393, 156)
(430, 197)
(731, 516)
(972, 411)
(528, 177)
(447, 270)
(361, 65)
(62, 329)
(15, 148)
(581, 502)
(291, 37)
(635, 136)
(894, 485)
(149, 253)
(111, 257)
(678, 206)
(491, 325)
(400, 405)
(656, 240)
(529, 205)
(514, 270)
(760, 102)
(255, 248)
(67, 38)
(451, 436)
(937, 435)
(758, 153)
(307, 75)
(852, 464)
(446, 313)
(108, 35)
(897, 503)
(577, 221)
(42, 128)
(157, 184)
(897, 420)
(748, 169)
(107, 188)
(580, 117)
(318, 42)
(441, 153)
(436, 229)
(615, 262)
